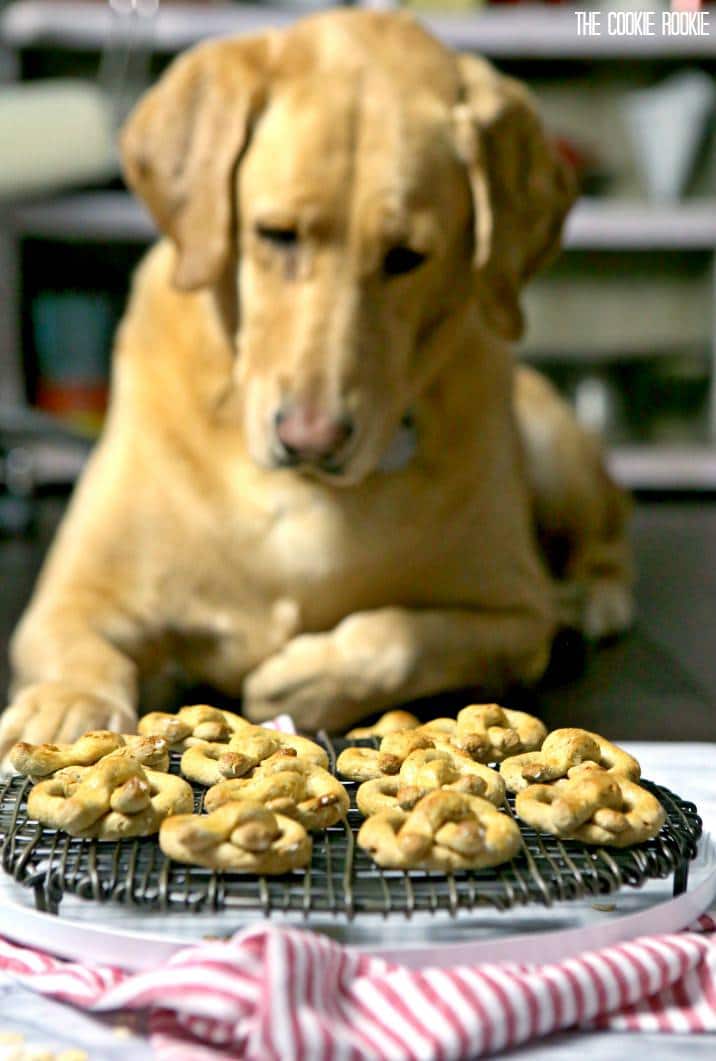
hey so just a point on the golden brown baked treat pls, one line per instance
(42, 760)
(211, 763)
(151, 752)
(240, 836)
(484, 732)
(290, 786)
(390, 722)
(592, 805)
(363, 764)
(198, 722)
(489, 733)
(425, 770)
(445, 831)
(114, 799)
(563, 749)
(384, 793)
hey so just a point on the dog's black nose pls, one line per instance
(307, 434)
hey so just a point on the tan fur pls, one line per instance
(185, 549)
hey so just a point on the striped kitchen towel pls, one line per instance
(274, 993)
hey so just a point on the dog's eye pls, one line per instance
(281, 237)
(401, 260)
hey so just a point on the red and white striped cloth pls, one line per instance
(272, 993)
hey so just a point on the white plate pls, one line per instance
(113, 934)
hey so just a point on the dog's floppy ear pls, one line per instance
(181, 144)
(521, 188)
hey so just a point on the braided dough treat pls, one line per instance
(42, 760)
(211, 763)
(563, 749)
(290, 786)
(594, 806)
(114, 799)
(384, 793)
(239, 835)
(390, 722)
(190, 725)
(445, 831)
(483, 732)
(425, 770)
(364, 764)
(488, 732)
(152, 752)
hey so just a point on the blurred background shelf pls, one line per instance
(642, 468)
(519, 32)
(93, 216)
(598, 224)
(595, 224)
(647, 468)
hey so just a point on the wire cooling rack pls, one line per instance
(341, 880)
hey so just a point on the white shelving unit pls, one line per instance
(594, 224)
(515, 33)
(665, 467)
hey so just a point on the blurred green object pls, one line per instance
(54, 134)
(73, 335)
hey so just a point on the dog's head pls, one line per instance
(359, 190)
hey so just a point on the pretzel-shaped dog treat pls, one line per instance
(640, 818)
(425, 770)
(434, 768)
(594, 806)
(42, 760)
(384, 793)
(563, 749)
(211, 763)
(114, 799)
(561, 807)
(290, 786)
(488, 732)
(190, 725)
(240, 836)
(445, 831)
(302, 747)
(390, 722)
(364, 764)
(505, 732)
(151, 752)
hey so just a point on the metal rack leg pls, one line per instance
(681, 877)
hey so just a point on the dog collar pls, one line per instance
(402, 447)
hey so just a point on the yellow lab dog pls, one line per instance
(322, 484)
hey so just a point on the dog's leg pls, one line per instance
(377, 658)
(69, 677)
(72, 652)
(581, 514)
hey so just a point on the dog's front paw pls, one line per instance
(56, 712)
(303, 680)
(609, 609)
(331, 680)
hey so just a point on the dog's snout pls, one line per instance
(307, 433)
